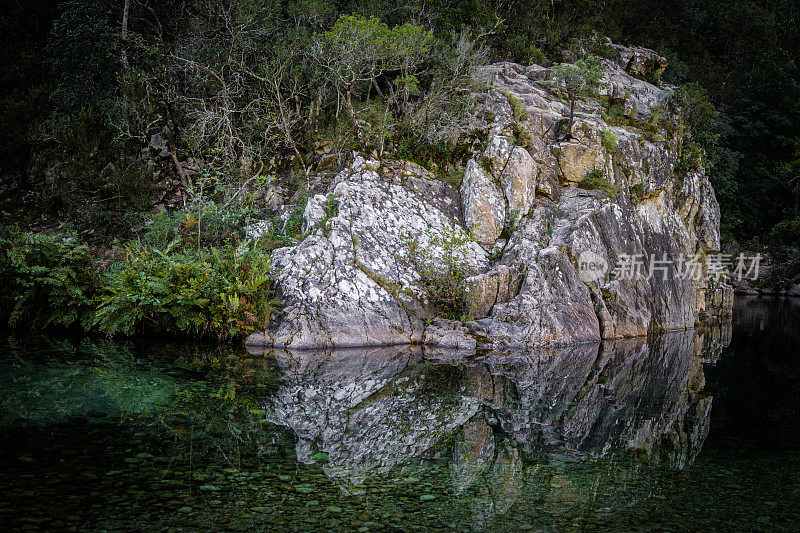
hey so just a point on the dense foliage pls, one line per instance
(106, 104)
(212, 292)
(442, 276)
(216, 292)
(46, 280)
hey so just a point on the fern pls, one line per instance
(48, 280)
(219, 292)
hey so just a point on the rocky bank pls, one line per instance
(348, 284)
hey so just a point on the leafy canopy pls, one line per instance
(581, 77)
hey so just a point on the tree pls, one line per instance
(358, 50)
(409, 45)
(579, 78)
(354, 53)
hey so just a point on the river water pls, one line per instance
(689, 431)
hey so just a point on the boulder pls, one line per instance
(348, 283)
(345, 284)
(484, 205)
(449, 334)
(640, 62)
(498, 285)
(553, 307)
(577, 158)
(519, 179)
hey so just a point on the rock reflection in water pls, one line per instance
(371, 410)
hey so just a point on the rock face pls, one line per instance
(345, 285)
(649, 230)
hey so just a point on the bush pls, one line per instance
(442, 275)
(211, 225)
(691, 158)
(517, 108)
(636, 193)
(705, 123)
(609, 141)
(219, 292)
(786, 233)
(46, 280)
(596, 180)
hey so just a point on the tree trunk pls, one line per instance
(125, 10)
(352, 111)
(571, 116)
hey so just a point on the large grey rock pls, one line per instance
(498, 285)
(519, 179)
(552, 307)
(655, 213)
(449, 334)
(346, 283)
(640, 61)
(484, 205)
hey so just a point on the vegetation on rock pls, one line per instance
(442, 278)
(579, 78)
(596, 180)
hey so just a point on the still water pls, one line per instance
(690, 431)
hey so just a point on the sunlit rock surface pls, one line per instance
(343, 285)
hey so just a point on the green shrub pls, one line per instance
(615, 115)
(331, 210)
(522, 136)
(486, 164)
(596, 180)
(210, 225)
(536, 55)
(294, 225)
(218, 292)
(451, 175)
(45, 280)
(609, 141)
(786, 233)
(705, 123)
(517, 108)
(636, 192)
(602, 48)
(442, 275)
(691, 158)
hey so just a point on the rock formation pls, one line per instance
(535, 218)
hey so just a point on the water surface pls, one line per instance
(694, 430)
